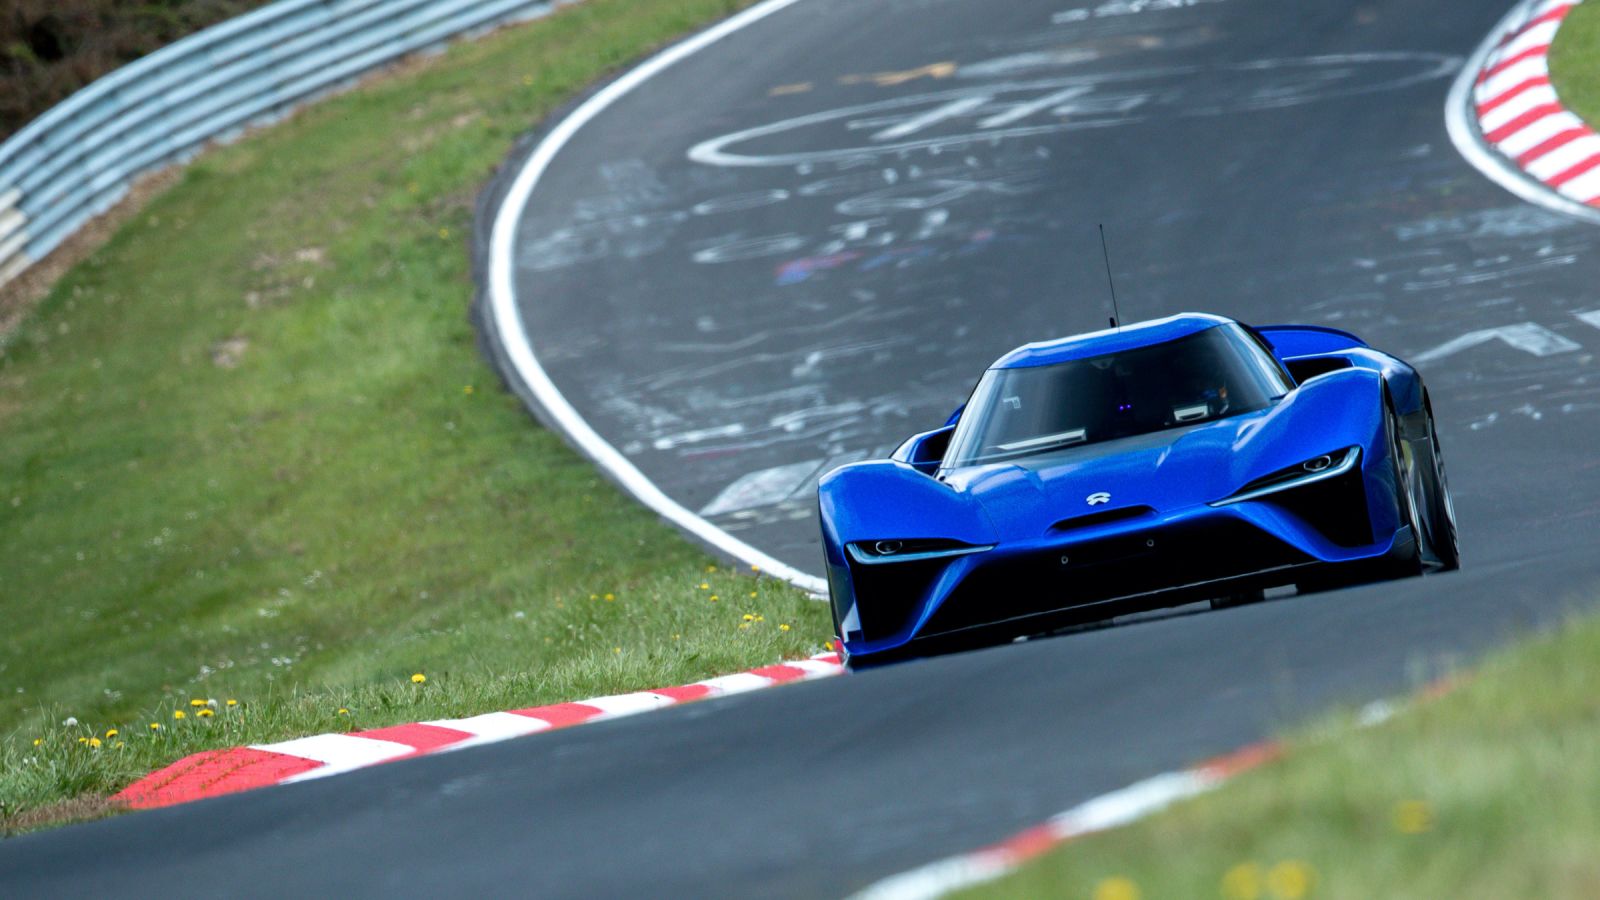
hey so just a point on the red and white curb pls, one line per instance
(1120, 807)
(1519, 115)
(217, 772)
(1106, 811)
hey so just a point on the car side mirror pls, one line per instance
(924, 452)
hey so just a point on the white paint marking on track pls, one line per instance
(514, 336)
(1529, 337)
(763, 488)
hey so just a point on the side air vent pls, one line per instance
(1306, 369)
(1103, 518)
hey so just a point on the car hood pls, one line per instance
(1165, 471)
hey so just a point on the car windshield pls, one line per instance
(1209, 375)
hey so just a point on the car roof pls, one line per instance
(1110, 340)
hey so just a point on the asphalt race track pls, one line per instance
(803, 243)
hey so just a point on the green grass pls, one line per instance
(1487, 793)
(1575, 62)
(249, 450)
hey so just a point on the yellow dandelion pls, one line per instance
(418, 678)
(1289, 880)
(749, 618)
(119, 745)
(94, 743)
(616, 649)
(784, 627)
(705, 586)
(343, 711)
(1413, 817)
(206, 713)
(755, 568)
(38, 741)
(674, 637)
(1116, 888)
(233, 703)
(155, 726)
(466, 389)
(83, 740)
(713, 598)
(1242, 882)
(711, 568)
(610, 597)
(444, 233)
(744, 625)
(594, 596)
(179, 714)
(197, 702)
(111, 732)
(752, 595)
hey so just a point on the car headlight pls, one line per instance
(1311, 471)
(894, 550)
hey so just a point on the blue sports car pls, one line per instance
(1182, 459)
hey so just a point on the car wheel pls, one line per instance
(1406, 486)
(1442, 539)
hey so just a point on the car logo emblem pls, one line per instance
(1097, 498)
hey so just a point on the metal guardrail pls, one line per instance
(79, 158)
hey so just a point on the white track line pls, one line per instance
(514, 337)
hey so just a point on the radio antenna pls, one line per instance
(1116, 314)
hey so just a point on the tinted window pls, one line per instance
(1215, 373)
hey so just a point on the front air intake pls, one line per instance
(1103, 518)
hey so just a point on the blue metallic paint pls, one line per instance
(1111, 340)
(1176, 473)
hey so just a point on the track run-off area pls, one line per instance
(802, 241)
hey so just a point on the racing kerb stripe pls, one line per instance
(1113, 810)
(1520, 133)
(217, 772)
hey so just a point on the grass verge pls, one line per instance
(1575, 62)
(1486, 792)
(250, 452)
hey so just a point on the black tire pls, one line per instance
(1406, 490)
(1441, 520)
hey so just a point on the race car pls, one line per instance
(1150, 465)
